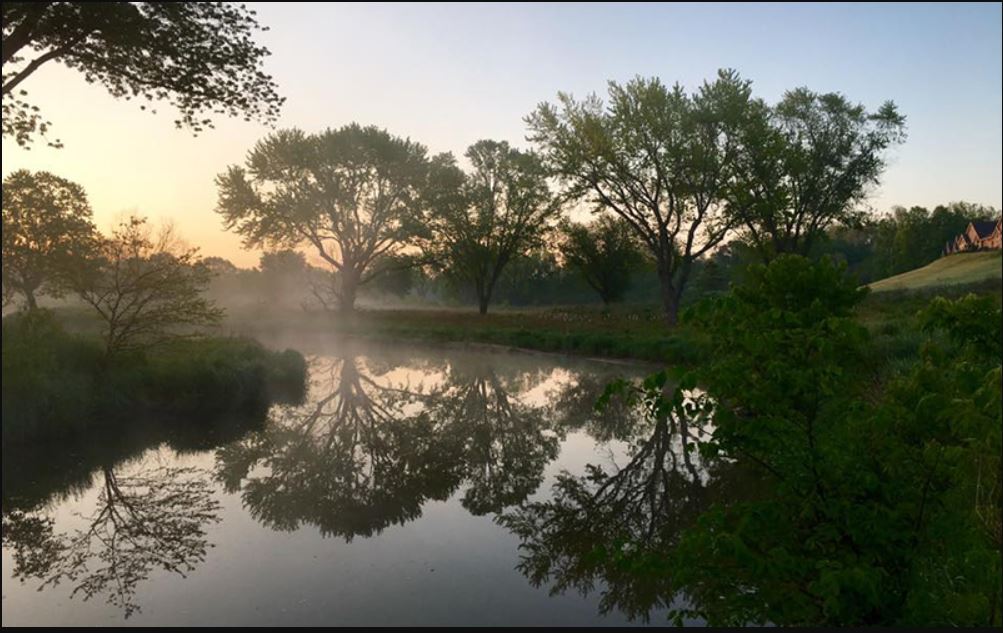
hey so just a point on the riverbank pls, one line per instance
(59, 384)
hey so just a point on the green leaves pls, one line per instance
(200, 57)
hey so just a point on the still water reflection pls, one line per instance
(423, 486)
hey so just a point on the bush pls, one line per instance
(62, 385)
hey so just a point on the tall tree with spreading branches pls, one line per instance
(660, 158)
(47, 232)
(806, 164)
(198, 56)
(481, 221)
(353, 194)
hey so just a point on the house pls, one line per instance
(981, 235)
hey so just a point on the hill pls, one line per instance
(960, 268)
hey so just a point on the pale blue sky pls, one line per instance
(447, 75)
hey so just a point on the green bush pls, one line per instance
(57, 384)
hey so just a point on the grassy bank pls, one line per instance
(957, 269)
(624, 332)
(58, 384)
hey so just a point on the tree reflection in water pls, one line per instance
(609, 530)
(371, 452)
(147, 520)
(352, 463)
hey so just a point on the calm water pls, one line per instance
(414, 486)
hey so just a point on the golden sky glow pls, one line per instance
(448, 75)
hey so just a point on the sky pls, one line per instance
(447, 75)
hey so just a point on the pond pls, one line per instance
(424, 486)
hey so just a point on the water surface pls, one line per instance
(426, 486)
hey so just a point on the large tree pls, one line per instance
(480, 221)
(146, 287)
(605, 252)
(47, 232)
(660, 158)
(806, 165)
(352, 194)
(199, 56)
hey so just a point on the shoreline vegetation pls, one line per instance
(618, 333)
(59, 385)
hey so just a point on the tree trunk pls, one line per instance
(30, 296)
(482, 303)
(349, 291)
(669, 294)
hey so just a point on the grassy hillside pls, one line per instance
(960, 268)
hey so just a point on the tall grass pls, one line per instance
(60, 385)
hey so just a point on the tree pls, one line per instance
(353, 194)
(480, 221)
(794, 393)
(47, 231)
(282, 273)
(605, 252)
(659, 158)
(198, 56)
(806, 163)
(146, 288)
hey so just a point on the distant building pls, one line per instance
(983, 235)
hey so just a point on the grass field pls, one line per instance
(635, 332)
(960, 268)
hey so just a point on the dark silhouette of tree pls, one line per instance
(480, 221)
(605, 252)
(283, 275)
(352, 194)
(806, 164)
(47, 232)
(154, 519)
(661, 159)
(197, 56)
(146, 288)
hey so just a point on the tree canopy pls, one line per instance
(352, 194)
(806, 164)
(47, 232)
(660, 158)
(198, 56)
(481, 220)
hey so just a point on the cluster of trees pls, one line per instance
(145, 286)
(679, 171)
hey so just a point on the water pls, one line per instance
(398, 493)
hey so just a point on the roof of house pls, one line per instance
(984, 228)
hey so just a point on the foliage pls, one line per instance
(353, 194)
(60, 385)
(47, 232)
(479, 222)
(805, 165)
(659, 158)
(145, 287)
(605, 252)
(871, 502)
(197, 56)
